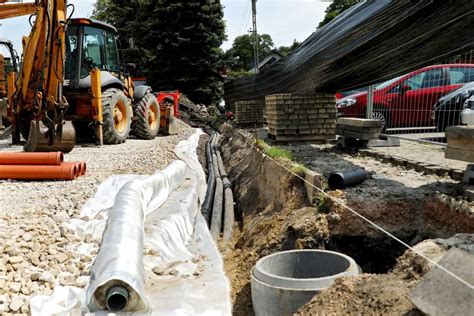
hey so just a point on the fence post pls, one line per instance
(370, 102)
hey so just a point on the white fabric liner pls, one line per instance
(176, 238)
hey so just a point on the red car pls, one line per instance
(407, 101)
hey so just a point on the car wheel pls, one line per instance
(381, 116)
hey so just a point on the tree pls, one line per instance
(286, 50)
(126, 16)
(241, 54)
(177, 42)
(336, 8)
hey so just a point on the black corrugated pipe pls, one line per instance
(347, 178)
(206, 208)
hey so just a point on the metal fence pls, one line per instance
(421, 104)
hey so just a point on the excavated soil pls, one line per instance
(274, 214)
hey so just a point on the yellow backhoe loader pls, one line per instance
(71, 78)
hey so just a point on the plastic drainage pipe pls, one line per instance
(51, 158)
(117, 299)
(220, 165)
(283, 282)
(216, 221)
(348, 178)
(206, 208)
(78, 167)
(228, 210)
(38, 172)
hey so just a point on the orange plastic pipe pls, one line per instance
(76, 165)
(51, 158)
(81, 167)
(37, 172)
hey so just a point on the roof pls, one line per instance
(96, 23)
(266, 58)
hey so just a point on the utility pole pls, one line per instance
(255, 45)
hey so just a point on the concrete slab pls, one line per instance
(357, 135)
(460, 132)
(459, 154)
(359, 129)
(359, 122)
(438, 293)
(317, 179)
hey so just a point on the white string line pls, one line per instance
(466, 283)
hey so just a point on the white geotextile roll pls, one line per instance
(120, 258)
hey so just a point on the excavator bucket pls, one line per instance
(168, 123)
(39, 139)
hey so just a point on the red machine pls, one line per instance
(169, 111)
(164, 97)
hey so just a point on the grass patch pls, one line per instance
(278, 152)
(260, 143)
(324, 204)
(299, 169)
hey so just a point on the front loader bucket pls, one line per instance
(168, 122)
(64, 137)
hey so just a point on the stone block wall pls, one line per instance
(249, 113)
(301, 116)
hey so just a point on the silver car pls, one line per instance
(467, 113)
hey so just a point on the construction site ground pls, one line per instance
(37, 251)
(423, 210)
(273, 213)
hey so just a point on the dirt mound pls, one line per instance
(367, 294)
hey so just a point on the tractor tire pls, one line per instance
(117, 116)
(146, 117)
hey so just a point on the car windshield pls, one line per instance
(387, 83)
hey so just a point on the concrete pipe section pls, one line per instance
(285, 281)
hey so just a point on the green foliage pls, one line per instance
(323, 204)
(177, 42)
(299, 169)
(336, 8)
(240, 56)
(286, 50)
(261, 144)
(240, 74)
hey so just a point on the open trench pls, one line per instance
(273, 213)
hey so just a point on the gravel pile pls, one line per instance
(37, 250)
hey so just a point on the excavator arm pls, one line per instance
(37, 105)
(17, 9)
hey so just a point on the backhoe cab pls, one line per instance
(91, 44)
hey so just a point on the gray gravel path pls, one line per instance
(36, 249)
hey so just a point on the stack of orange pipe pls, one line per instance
(39, 166)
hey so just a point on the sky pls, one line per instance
(284, 20)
